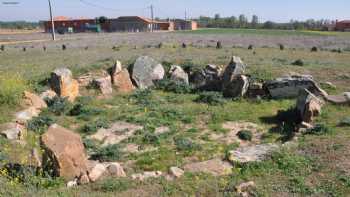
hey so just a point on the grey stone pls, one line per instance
(290, 86)
(146, 71)
(12, 131)
(146, 175)
(235, 67)
(253, 153)
(178, 74)
(237, 86)
(342, 99)
(104, 85)
(208, 79)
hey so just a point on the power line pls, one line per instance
(108, 8)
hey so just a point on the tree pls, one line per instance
(255, 21)
(242, 21)
(217, 17)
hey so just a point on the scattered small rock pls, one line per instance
(176, 172)
(146, 175)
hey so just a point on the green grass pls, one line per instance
(264, 32)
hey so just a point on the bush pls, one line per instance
(89, 144)
(58, 105)
(12, 88)
(142, 97)
(91, 128)
(281, 47)
(298, 62)
(108, 153)
(151, 138)
(40, 124)
(210, 98)
(245, 135)
(185, 144)
(113, 185)
(314, 49)
(83, 111)
(318, 129)
(173, 86)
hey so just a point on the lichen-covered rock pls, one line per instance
(235, 67)
(146, 71)
(178, 74)
(34, 100)
(122, 81)
(308, 106)
(64, 153)
(235, 87)
(103, 84)
(207, 79)
(290, 86)
(216, 167)
(12, 131)
(254, 153)
(63, 84)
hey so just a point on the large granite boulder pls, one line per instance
(308, 106)
(178, 74)
(103, 84)
(207, 79)
(290, 86)
(235, 67)
(146, 71)
(63, 84)
(234, 83)
(121, 78)
(64, 153)
(237, 86)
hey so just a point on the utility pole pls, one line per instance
(52, 22)
(152, 17)
(185, 15)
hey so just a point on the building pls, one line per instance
(139, 24)
(69, 25)
(180, 24)
(342, 25)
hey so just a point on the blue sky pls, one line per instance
(276, 10)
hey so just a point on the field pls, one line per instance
(315, 165)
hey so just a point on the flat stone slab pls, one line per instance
(254, 153)
(216, 167)
(341, 99)
(118, 132)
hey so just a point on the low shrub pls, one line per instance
(210, 98)
(113, 185)
(83, 111)
(91, 128)
(298, 62)
(314, 49)
(58, 105)
(345, 122)
(281, 47)
(245, 135)
(174, 86)
(41, 123)
(89, 144)
(318, 129)
(142, 97)
(108, 153)
(250, 47)
(151, 138)
(12, 88)
(185, 145)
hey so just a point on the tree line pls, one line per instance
(242, 21)
(18, 25)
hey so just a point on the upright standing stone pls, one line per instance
(234, 83)
(63, 83)
(308, 106)
(178, 74)
(121, 78)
